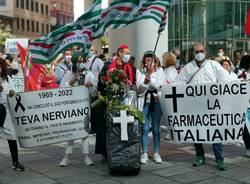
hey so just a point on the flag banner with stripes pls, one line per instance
(79, 33)
(123, 12)
(93, 24)
(163, 23)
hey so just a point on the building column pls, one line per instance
(96, 42)
(140, 36)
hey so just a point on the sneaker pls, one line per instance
(248, 153)
(157, 158)
(198, 161)
(65, 161)
(144, 158)
(17, 166)
(167, 137)
(88, 161)
(220, 165)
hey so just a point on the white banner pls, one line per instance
(248, 117)
(11, 46)
(18, 81)
(50, 116)
(206, 113)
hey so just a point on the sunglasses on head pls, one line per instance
(198, 51)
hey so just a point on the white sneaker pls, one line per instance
(65, 161)
(248, 153)
(144, 158)
(88, 161)
(157, 158)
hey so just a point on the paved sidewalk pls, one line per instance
(42, 167)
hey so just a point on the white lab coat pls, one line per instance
(92, 91)
(96, 67)
(157, 79)
(211, 72)
(88, 78)
(8, 130)
(170, 73)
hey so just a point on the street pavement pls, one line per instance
(42, 166)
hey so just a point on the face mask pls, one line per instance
(68, 58)
(200, 56)
(126, 58)
(81, 66)
(220, 54)
(91, 53)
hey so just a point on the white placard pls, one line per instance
(11, 45)
(206, 113)
(50, 116)
(18, 81)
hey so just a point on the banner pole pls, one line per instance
(159, 34)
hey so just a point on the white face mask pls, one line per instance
(126, 58)
(200, 56)
(91, 53)
(220, 54)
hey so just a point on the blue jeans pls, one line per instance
(154, 118)
(216, 147)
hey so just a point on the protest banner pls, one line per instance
(206, 113)
(11, 44)
(50, 116)
(18, 81)
(248, 117)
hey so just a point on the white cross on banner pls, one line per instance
(123, 120)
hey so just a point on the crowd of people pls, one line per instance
(148, 79)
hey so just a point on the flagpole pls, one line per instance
(159, 34)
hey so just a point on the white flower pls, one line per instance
(115, 87)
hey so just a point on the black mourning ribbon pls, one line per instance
(18, 100)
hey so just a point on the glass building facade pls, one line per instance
(216, 23)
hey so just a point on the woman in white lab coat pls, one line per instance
(7, 130)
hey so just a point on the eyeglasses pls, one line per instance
(198, 51)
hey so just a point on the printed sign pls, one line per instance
(50, 116)
(18, 83)
(11, 46)
(206, 113)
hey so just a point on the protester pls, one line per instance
(221, 55)
(149, 83)
(236, 62)
(179, 63)
(201, 70)
(65, 65)
(7, 130)
(12, 68)
(121, 62)
(226, 64)
(132, 62)
(245, 76)
(79, 76)
(169, 62)
(94, 64)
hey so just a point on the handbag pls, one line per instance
(2, 114)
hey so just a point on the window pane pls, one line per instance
(28, 25)
(27, 4)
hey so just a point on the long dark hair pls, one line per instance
(3, 65)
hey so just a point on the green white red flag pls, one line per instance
(79, 33)
(120, 13)
(93, 24)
